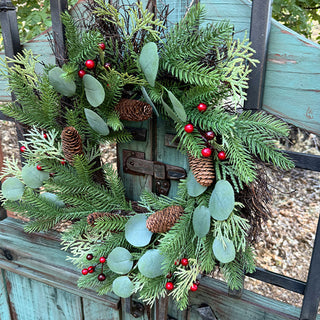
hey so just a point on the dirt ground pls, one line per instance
(285, 245)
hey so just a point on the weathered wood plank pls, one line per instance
(38, 257)
(251, 306)
(4, 300)
(32, 300)
(93, 310)
(292, 82)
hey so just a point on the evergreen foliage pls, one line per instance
(191, 63)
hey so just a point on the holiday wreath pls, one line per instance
(125, 66)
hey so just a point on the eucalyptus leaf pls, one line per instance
(122, 287)
(12, 189)
(149, 62)
(170, 112)
(51, 197)
(96, 122)
(120, 260)
(150, 264)
(201, 221)
(61, 83)
(148, 100)
(177, 106)
(33, 177)
(136, 231)
(222, 201)
(223, 249)
(94, 90)
(193, 187)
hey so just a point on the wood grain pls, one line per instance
(4, 300)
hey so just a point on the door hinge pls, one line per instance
(134, 162)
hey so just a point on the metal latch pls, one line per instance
(134, 163)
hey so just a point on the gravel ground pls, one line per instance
(285, 245)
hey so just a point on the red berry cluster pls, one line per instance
(170, 284)
(207, 136)
(91, 269)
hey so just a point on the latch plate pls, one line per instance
(134, 162)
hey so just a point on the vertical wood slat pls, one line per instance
(96, 311)
(57, 8)
(261, 13)
(4, 300)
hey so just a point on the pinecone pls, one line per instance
(92, 217)
(202, 169)
(71, 143)
(133, 110)
(162, 221)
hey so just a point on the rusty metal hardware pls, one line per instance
(206, 312)
(134, 162)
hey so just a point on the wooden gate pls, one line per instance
(37, 282)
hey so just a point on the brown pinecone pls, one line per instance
(92, 217)
(71, 143)
(162, 221)
(202, 169)
(133, 110)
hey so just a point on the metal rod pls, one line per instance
(57, 8)
(259, 35)
(311, 298)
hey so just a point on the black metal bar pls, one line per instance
(259, 35)
(278, 280)
(305, 161)
(311, 298)
(9, 25)
(57, 8)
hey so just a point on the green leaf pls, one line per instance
(201, 221)
(149, 62)
(122, 287)
(96, 122)
(222, 201)
(12, 189)
(148, 100)
(193, 187)
(223, 249)
(33, 177)
(62, 84)
(120, 260)
(170, 112)
(150, 264)
(51, 197)
(177, 106)
(94, 90)
(136, 231)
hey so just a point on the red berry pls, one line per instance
(39, 167)
(84, 271)
(202, 107)
(23, 148)
(51, 174)
(222, 155)
(102, 260)
(184, 261)
(45, 136)
(209, 135)
(90, 64)
(101, 277)
(169, 285)
(169, 275)
(194, 287)
(89, 256)
(206, 152)
(81, 73)
(107, 65)
(188, 128)
(91, 269)
(102, 46)
(63, 162)
(177, 262)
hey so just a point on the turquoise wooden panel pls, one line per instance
(93, 310)
(33, 300)
(292, 84)
(4, 301)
